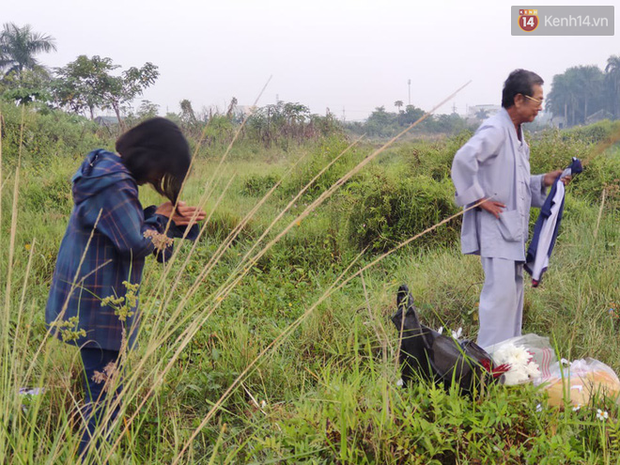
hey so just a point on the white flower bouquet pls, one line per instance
(518, 363)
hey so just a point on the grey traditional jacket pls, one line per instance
(495, 163)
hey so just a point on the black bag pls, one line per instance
(427, 354)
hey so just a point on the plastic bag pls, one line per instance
(432, 356)
(537, 346)
(580, 381)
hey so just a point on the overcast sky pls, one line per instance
(351, 55)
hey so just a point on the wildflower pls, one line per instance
(106, 376)
(601, 415)
(440, 330)
(576, 408)
(160, 241)
(457, 334)
(400, 382)
(27, 247)
(539, 408)
(124, 306)
(69, 329)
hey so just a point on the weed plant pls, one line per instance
(268, 340)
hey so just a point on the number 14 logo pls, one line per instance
(528, 20)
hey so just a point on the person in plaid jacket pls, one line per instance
(108, 237)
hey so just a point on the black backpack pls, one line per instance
(427, 354)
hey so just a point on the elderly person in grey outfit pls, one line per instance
(494, 165)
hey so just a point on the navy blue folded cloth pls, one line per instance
(547, 226)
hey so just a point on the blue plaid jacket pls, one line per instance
(107, 208)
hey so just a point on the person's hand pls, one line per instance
(184, 214)
(550, 177)
(493, 207)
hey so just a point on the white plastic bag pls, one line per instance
(580, 381)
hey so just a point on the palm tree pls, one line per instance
(558, 99)
(398, 104)
(590, 79)
(19, 45)
(482, 114)
(612, 77)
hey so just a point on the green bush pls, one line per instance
(318, 159)
(603, 172)
(48, 134)
(551, 150)
(257, 185)
(593, 133)
(385, 212)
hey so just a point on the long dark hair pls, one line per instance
(156, 152)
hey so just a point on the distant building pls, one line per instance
(599, 116)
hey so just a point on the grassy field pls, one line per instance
(269, 340)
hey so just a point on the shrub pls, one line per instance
(593, 133)
(551, 150)
(257, 185)
(385, 212)
(318, 159)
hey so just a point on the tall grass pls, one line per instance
(245, 358)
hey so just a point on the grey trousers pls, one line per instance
(501, 301)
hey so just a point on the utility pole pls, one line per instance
(409, 84)
(344, 115)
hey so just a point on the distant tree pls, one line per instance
(398, 104)
(19, 45)
(591, 80)
(81, 84)
(125, 88)
(560, 98)
(28, 87)
(612, 80)
(482, 114)
(577, 93)
(187, 112)
(147, 110)
(447, 124)
(379, 116)
(88, 83)
(410, 115)
(231, 108)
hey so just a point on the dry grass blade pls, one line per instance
(233, 281)
(14, 220)
(296, 198)
(303, 215)
(215, 173)
(601, 147)
(274, 344)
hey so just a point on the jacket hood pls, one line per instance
(100, 170)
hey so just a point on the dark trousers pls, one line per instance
(97, 394)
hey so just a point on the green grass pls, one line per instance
(259, 345)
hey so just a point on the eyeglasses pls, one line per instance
(533, 99)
